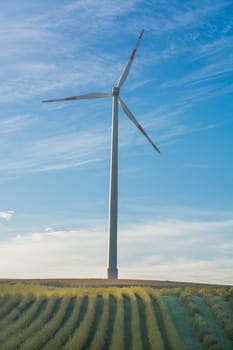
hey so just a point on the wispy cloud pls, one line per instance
(35, 60)
(52, 149)
(56, 152)
(214, 49)
(45, 68)
(174, 16)
(179, 228)
(203, 49)
(13, 124)
(169, 124)
(210, 71)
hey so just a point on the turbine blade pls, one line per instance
(134, 120)
(81, 97)
(127, 67)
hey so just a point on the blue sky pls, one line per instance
(175, 209)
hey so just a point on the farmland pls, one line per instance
(73, 314)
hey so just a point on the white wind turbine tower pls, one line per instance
(112, 270)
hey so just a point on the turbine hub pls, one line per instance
(116, 91)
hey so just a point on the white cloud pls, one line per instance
(181, 250)
(6, 215)
(217, 271)
(49, 229)
(176, 228)
(54, 253)
(174, 250)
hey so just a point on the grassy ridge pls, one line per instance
(55, 316)
(102, 282)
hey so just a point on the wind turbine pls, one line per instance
(112, 270)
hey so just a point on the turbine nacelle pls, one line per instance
(115, 91)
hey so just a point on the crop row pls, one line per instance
(17, 325)
(48, 330)
(80, 336)
(74, 323)
(17, 310)
(29, 323)
(206, 332)
(151, 328)
(169, 332)
(68, 327)
(136, 327)
(223, 318)
(114, 318)
(8, 303)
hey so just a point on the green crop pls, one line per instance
(36, 316)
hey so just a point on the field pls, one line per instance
(123, 314)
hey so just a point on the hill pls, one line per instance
(103, 282)
(123, 314)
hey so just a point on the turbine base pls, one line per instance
(112, 273)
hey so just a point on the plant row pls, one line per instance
(66, 330)
(224, 320)
(8, 303)
(20, 323)
(170, 335)
(30, 323)
(205, 333)
(16, 311)
(112, 318)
